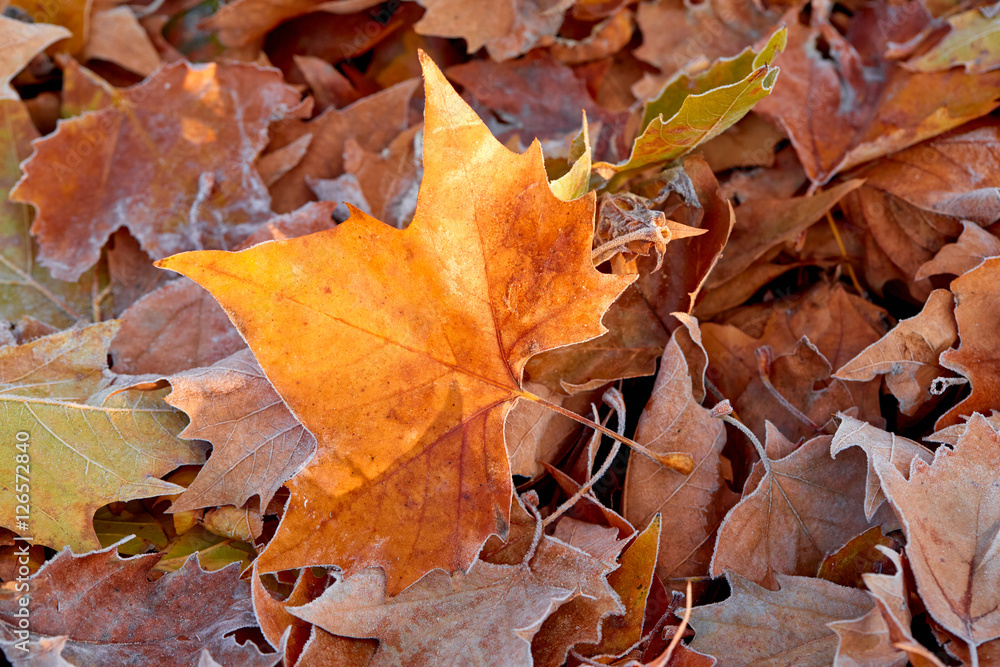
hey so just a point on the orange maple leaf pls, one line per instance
(403, 351)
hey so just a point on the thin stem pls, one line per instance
(679, 461)
(843, 253)
(537, 538)
(749, 434)
(606, 251)
(614, 400)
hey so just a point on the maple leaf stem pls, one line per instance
(539, 529)
(583, 490)
(729, 419)
(679, 461)
(614, 398)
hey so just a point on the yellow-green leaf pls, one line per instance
(974, 42)
(143, 528)
(575, 183)
(214, 551)
(83, 442)
(689, 111)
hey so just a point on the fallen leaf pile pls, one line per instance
(447, 332)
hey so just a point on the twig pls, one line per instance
(679, 461)
(613, 398)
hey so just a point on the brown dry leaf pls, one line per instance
(22, 42)
(634, 342)
(329, 87)
(882, 637)
(696, 202)
(581, 570)
(117, 37)
(279, 162)
(750, 143)
(884, 450)
(861, 105)
(839, 325)
(26, 287)
(736, 291)
(901, 237)
(535, 97)
(762, 224)
(306, 644)
(988, 653)
(130, 272)
(507, 29)
(257, 443)
(976, 311)
(798, 393)
(692, 506)
(173, 328)
(676, 35)
(794, 511)
(952, 545)
(111, 614)
(389, 179)
(486, 616)
(973, 246)
(950, 434)
(245, 22)
(176, 166)
(926, 176)
(580, 618)
(606, 39)
(430, 352)
(83, 89)
(789, 626)
(600, 542)
(272, 615)
(908, 355)
(589, 508)
(373, 122)
(857, 557)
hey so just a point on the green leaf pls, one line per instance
(87, 442)
(575, 183)
(214, 552)
(143, 528)
(690, 111)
